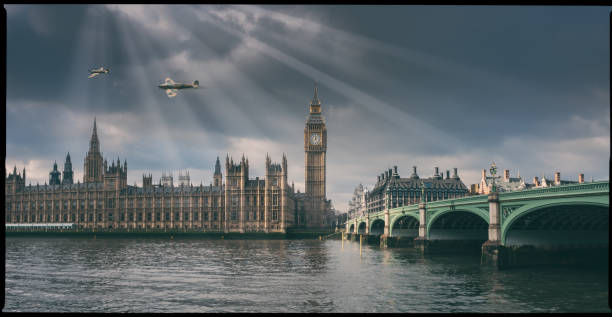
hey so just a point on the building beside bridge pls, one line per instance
(507, 183)
(391, 191)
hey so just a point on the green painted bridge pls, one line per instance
(562, 215)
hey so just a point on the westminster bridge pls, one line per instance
(510, 227)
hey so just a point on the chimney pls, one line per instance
(507, 175)
(535, 181)
(379, 178)
(557, 178)
(436, 171)
(455, 173)
(580, 178)
(390, 172)
(447, 174)
(395, 171)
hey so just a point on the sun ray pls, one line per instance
(392, 114)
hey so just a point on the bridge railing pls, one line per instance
(603, 186)
(593, 187)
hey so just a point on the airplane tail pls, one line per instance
(107, 70)
(196, 84)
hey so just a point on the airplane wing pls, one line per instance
(171, 92)
(93, 75)
(169, 81)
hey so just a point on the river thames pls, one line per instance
(198, 275)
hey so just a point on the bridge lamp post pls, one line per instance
(493, 171)
(492, 250)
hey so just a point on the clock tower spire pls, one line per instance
(315, 148)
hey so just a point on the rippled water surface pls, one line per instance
(193, 275)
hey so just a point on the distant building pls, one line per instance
(474, 189)
(557, 181)
(357, 204)
(503, 184)
(391, 191)
(507, 183)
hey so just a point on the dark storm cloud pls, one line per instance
(407, 85)
(548, 56)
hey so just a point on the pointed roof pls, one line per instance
(217, 167)
(94, 143)
(315, 99)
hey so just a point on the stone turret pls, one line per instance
(218, 177)
(54, 176)
(147, 181)
(93, 169)
(67, 175)
(115, 176)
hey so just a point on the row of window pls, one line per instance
(112, 203)
(130, 216)
(136, 216)
(252, 215)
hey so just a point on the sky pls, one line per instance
(426, 86)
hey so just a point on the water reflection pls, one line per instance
(191, 275)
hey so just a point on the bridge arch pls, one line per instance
(458, 224)
(361, 228)
(377, 226)
(405, 225)
(558, 223)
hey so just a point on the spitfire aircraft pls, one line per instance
(96, 72)
(172, 87)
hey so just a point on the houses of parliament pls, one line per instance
(233, 202)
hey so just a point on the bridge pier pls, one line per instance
(386, 232)
(421, 243)
(495, 255)
(493, 252)
(395, 242)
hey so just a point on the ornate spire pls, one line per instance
(315, 99)
(94, 143)
(217, 167)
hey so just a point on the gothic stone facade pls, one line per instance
(104, 200)
(234, 204)
(315, 148)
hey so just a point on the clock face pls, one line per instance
(315, 139)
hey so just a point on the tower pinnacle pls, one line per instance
(315, 99)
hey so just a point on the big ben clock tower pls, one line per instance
(315, 148)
